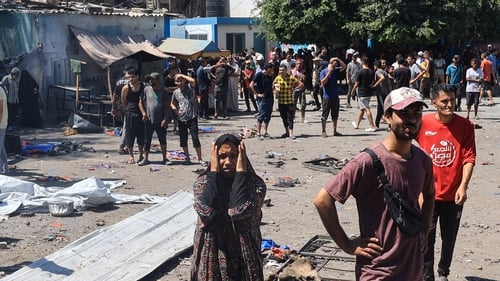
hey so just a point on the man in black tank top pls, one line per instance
(135, 114)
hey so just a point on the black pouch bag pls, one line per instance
(408, 219)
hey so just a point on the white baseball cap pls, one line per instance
(402, 97)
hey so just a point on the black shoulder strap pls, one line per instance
(377, 164)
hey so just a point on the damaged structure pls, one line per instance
(74, 50)
(42, 44)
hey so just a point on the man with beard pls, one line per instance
(383, 251)
(450, 141)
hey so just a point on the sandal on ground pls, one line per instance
(130, 161)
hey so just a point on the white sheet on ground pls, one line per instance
(16, 194)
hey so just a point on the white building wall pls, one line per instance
(225, 29)
(201, 29)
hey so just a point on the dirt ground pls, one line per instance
(289, 219)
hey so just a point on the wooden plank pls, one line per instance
(127, 250)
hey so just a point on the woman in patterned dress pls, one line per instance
(228, 198)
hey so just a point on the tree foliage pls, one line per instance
(386, 21)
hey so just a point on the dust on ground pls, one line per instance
(289, 219)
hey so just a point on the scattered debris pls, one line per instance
(53, 178)
(328, 259)
(53, 148)
(299, 269)
(286, 182)
(246, 133)
(61, 208)
(205, 129)
(328, 164)
(278, 164)
(26, 213)
(267, 202)
(274, 154)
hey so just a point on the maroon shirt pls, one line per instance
(401, 257)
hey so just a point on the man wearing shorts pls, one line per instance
(474, 77)
(488, 78)
(331, 101)
(364, 86)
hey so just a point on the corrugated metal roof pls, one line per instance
(127, 250)
(76, 9)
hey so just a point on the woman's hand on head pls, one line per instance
(214, 159)
(241, 165)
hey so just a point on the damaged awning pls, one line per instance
(191, 48)
(107, 49)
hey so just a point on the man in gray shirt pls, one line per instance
(353, 68)
(10, 83)
(157, 104)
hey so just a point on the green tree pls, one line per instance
(386, 21)
(301, 21)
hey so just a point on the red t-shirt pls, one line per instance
(486, 67)
(249, 72)
(450, 146)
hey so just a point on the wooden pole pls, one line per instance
(77, 91)
(109, 85)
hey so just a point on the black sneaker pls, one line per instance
(143, 162)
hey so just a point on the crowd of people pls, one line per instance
(229, 207)
(229, 194)
(298, 80)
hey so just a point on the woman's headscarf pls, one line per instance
(229, 138)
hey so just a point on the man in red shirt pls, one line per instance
(450, 141)
(489, 78)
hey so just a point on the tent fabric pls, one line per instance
(191, 48)
(82, 125)
(107, 49)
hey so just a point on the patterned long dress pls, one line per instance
(227, 240)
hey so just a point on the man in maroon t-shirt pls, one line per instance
(382, 250)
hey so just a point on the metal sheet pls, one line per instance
(127, 250)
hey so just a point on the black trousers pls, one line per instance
(449, 215)
(287, 114)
